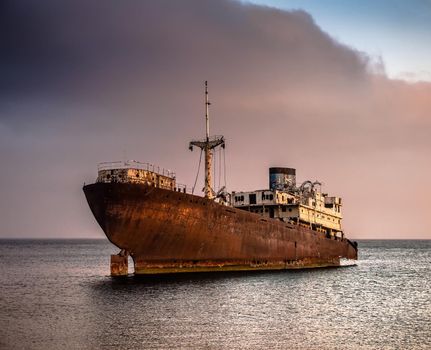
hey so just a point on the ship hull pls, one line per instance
(169, 232)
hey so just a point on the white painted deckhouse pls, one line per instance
(306, 204)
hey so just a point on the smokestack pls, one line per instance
(282, 178)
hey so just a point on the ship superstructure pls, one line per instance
(166, 229)
(304, 205)
(134, 172)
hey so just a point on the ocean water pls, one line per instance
(57, 294)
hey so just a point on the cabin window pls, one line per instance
(290, 209)
(252, 198)
(271, 197)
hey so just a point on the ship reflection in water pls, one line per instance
(57, 294)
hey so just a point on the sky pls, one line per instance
(395, 31)
(84, 82)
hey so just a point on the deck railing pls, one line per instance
(133, 164)
(183, 188)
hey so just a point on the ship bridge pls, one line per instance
(305, 205)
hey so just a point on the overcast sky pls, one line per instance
(90, 81)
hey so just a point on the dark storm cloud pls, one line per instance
(74, 48)
(83, 81)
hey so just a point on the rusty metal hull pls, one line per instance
(169, 232)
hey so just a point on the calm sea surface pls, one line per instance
(58, 295)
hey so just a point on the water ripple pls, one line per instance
(56, 294)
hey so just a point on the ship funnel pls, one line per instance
(282, 178)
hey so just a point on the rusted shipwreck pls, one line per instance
(144, 212)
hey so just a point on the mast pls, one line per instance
(207, 145)
(207, 107)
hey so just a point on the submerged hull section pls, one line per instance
(167, 232)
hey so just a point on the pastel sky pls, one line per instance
(317, 89)
(395, 31)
